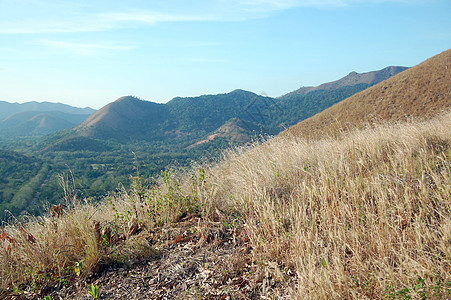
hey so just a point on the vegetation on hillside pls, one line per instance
(296, 108)
(98, 167)
(20, 178)
(364, 215)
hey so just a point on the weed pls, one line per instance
(420, 289)
(78, 267)
(93, 290)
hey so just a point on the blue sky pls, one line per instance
(89, 53)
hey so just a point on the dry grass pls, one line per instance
(354, 216)
(362, 216)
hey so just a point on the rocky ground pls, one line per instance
(191, 259)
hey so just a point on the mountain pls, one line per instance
(353, 78)
(308, 101)
(7, 109)
(35, 119)
(35, 123)
(130, 119)
(208, 112)
(420, 92)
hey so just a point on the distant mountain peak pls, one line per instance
(128, 98)
(353, 78)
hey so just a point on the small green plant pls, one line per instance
(37, 278)
(206, 266)
(48, 297)
(93, 290)
(419, 288)
(233, 223)
(323, 262)
(78, 267)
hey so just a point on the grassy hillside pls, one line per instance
(364, 216)
(420, 92)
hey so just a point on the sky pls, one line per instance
(91, 52)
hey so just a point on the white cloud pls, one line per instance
(27, 17)
(259, 6)
(95, 22)
(150, 17)
(84, 49)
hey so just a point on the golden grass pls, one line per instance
(362, 216)
(352, 216)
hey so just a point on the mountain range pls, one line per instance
(38, 118)
(342, 211)
(7, 109)
(198, 120)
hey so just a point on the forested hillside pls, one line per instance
(20, 179)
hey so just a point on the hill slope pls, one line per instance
(125, 119)
(289, 219)
(420, 92)
(365, 216)
(308, 101)
(20, 177)
(353, 78)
